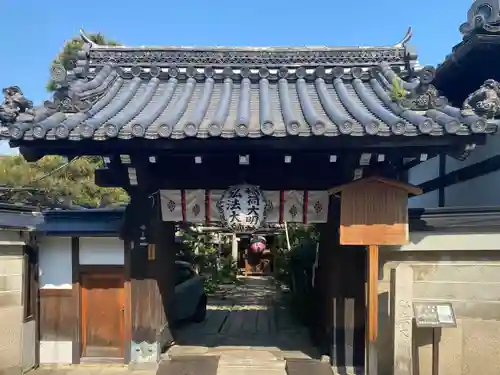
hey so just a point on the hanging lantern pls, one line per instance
(242, 208)
(257, 244)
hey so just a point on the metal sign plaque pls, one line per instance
(434, 315)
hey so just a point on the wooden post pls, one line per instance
(372, 308)
(374, 211)
(148, 267)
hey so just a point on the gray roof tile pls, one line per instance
(126, 93)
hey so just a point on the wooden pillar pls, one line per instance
(149, 266)
(341, 283)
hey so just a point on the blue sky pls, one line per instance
(33, 31)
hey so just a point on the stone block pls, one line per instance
(402, 318)
(481, 347)
(10, 299)
(10, 283)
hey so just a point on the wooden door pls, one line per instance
(103, 315)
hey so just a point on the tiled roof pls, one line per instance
(224, 93)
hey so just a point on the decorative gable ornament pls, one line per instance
(242, 208)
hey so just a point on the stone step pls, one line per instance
(253, 364)
(189, 365)
(251, 371)
(299, 366)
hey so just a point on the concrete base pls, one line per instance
(145, 352)
(143, 366)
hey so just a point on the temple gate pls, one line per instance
(178, 126)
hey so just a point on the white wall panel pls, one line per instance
(101, 250)
(55, 263)
(424, 172)
(60, 352)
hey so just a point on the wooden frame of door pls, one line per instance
(30, 296)
(111, 272)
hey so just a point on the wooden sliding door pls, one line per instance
(103, 314)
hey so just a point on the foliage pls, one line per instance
(198, 248)
(225, 274)
(68, 56)
(73, 182)
(294, 269)
(398, 91)
(302, 252)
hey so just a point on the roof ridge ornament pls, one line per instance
(484, 102)
(417, 95)
(483, 17)
(87, 39)
(402, 43)
(15, 107)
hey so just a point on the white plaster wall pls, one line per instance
(56, 352)
(101, 250)
(11, 308)
(441, 241)
(55, 263)
(423, 172)
(12, 238)
(481, 191)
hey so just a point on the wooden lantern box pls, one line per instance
(374, 211)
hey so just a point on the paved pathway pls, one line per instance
(249, 327)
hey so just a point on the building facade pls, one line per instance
(18, 288)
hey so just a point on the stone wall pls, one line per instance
(11, 309)
(468, 279)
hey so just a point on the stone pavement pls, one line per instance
(249, 328)
(250, 316)
(88, 369)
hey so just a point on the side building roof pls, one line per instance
(184, 92)
(474, 60)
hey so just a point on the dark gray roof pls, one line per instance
(120, 92)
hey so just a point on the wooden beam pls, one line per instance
(75, 291)
(410, 145)
(442, 173)
(127, 337)
(267, 170)
(470, 172)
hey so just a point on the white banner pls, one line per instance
(214, 196)
(317, 207)
(273, 206)
(195, 206)
(171, 205)
(293, 206)
(191, 206)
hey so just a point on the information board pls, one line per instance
(434, 314)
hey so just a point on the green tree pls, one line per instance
(51, 182)
(67, 57)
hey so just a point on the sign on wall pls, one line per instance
(434, 314)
